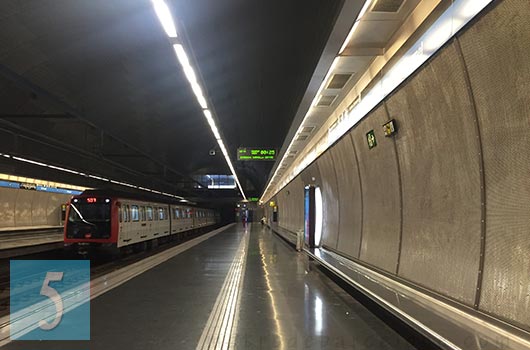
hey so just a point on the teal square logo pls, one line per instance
(49, 300)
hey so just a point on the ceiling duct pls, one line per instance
(308, 129)
(301, 138)
(338, 81)
(387, 6)
(326, 100)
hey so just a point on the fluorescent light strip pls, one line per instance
(355, 25)
(25, 160)
(190, 74)
(192, 79)
(210, 120)
(99, 178)
(164, 16)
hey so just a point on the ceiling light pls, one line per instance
(197, 90)
(210, 120)
(190, 74)
(98, 178)
(355, 25)
(164, 16)
(198, 94)
(181, 55)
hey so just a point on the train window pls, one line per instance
(160, 214)
(149, 213)
(142, 213)
(120, 211)
(166, 214)
(135, 213)
(176, 213)
(126, 212)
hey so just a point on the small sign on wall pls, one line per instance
(370, 138)
(390, 128)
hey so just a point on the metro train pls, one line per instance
(110, 221)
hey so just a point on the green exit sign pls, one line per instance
(250, 154)
(253, 199)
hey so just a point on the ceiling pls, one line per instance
(383, 30)
(95, 86)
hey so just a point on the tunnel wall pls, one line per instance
(445, 203)
(21, 208)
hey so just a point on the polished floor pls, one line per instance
(244, 288)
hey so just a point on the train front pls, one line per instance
(91, 223)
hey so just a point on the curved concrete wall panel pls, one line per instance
(330, 199)
(23, 207)
(8, 200)
(496, 50)
(20, 208)
(381, 194)
(311, 175)
(350, 205)
(53, 210)
(439, 162)
(38, 208)
(290, 203)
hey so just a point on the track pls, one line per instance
(100, 265)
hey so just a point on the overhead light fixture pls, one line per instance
(190, 74)
(322, 85)
(211, 122)
(164, 16)
(454, 18)
(198, 94)
(96, 177)
(355, 25)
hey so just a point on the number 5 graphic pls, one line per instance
(51, 293)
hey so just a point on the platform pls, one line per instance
(30, 240)
(243, 288)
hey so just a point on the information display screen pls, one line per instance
(256, 154)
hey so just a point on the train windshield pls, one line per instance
(89, 212)
(89, 218)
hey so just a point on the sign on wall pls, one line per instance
(370, 138)
(256, 154)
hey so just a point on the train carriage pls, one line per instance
(106, 220)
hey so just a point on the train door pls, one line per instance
(144, 233)
(167, 221)
(156, 225)
(176, 222)
(149, 217)
(125, 229)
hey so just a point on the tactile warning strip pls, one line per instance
(217, 333)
